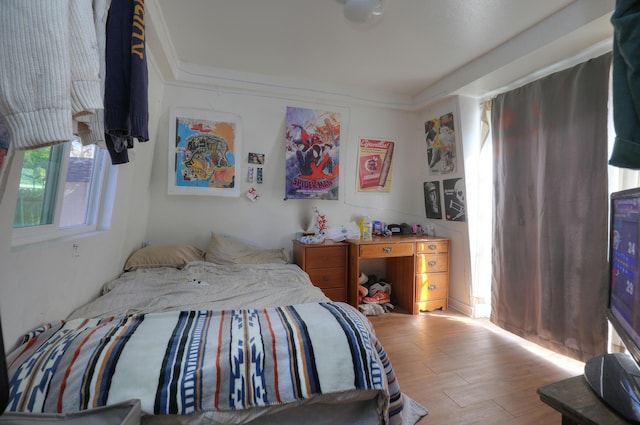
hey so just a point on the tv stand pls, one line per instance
(578, 404)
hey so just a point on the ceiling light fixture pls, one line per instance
(362, 11)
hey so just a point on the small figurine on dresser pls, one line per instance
(315, 234)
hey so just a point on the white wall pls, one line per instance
(272, 221)
(40, 283)
(466, 125)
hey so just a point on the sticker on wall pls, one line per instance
(375, 165)
(312, 154)
(255, 158)
(432, 199)
(440, 138)
(253, 194)
(454, 199)
(203, 149)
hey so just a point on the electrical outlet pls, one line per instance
(76, 250)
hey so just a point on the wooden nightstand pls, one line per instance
(326, 264)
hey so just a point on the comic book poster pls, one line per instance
(454, 199)
(432, 199)
(203, 153)
(375, 165)
(440, 138)
(312, 154)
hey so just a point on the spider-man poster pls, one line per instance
(312, 154)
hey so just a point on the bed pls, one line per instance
(231, 335)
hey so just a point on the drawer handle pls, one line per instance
(433, 247)
(325, 278)
(431, 287)
(387, 249)
(432, 263)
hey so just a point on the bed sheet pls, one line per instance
(202, 285)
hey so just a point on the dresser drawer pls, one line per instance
(326, 256)
(431, 286)
(426, 263)
(432, 247)
(329, 277)
(381, 250)
(336, 294)
(432, 305)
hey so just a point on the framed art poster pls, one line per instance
(440, 138)
(204, 147)
(375, 165)
(454, 199)
(312, 154)
(432, 199)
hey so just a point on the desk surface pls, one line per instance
(577, 402)
(396, 239)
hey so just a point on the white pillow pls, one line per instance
(169, 255)
(228, 250)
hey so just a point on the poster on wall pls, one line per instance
(6, 155)
(312, 154)
(440, 138)
(203, 150)
(432, 199)
(375, 165)
(454, 199)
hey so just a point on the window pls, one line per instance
(60, 191)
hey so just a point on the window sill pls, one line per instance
(31, 241)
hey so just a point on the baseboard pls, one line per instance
(461, 307)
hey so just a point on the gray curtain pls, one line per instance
(549, 279)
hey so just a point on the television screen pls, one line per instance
(624, 290)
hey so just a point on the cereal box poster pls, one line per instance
(375, 165)
(312, 154)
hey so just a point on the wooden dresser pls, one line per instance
(417, 267)
(432, 274)
(326, 264)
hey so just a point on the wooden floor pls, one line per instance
(467, 371)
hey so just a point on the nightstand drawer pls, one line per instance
(432, 263)
(432, 286)
(323, 257)
(326, 264)
(432, 247)
(328, 278)
(381, 250)
(336, 294)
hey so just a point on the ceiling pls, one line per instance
(419, 51)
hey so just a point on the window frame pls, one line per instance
(98, 203)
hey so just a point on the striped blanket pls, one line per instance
(185, 362)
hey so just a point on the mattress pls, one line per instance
(202, 285)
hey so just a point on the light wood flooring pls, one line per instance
(467, 371)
